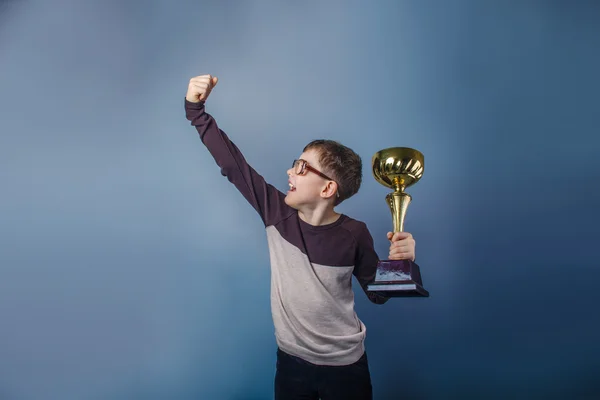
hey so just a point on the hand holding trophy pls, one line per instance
(398, 168)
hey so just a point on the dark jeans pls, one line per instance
(297, 379)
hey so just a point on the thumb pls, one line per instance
(214, 81)
(399, 236)
(389, 235)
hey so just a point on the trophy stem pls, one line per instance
(398, 202)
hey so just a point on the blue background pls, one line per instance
(131, 269)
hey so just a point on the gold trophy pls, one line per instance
(398, 168)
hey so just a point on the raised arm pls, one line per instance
(266, 200)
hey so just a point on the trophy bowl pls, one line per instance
(398, 167)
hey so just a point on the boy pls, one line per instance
(314, 251)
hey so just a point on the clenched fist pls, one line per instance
(402, 246)
(200, 87)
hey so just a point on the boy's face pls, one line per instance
(309, 188)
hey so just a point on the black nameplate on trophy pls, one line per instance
(398, 278)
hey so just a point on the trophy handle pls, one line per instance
(398, 202)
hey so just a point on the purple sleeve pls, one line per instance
(365, 266)
(266, 200)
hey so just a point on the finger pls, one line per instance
(400, 236)
(399, 256)
(404, 242)
(199, 86)
(200, 82)
(400, 251)
(390, 235)
(396, 247)
(203, 78)
(214, 81)
(201, 94)
(400, 248)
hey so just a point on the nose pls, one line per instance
(289, 172)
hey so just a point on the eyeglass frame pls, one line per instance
(306, 167)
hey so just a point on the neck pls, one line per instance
(317, 216)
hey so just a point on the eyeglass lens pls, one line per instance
(298, 167)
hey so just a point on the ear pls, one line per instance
(330, 190)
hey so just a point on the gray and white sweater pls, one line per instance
(312, 301)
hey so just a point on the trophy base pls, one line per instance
(398, 278)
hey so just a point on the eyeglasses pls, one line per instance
(301, 167)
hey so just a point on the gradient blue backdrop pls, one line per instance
(131, 269)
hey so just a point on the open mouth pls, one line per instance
(292, 187)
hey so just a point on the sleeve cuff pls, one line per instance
(193, 106)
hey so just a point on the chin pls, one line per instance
(290, 202)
